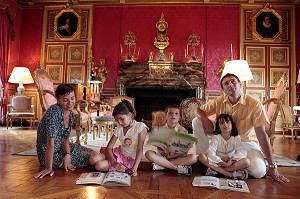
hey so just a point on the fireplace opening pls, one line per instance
(147, 100)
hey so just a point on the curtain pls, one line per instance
(4, 47)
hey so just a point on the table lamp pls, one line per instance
(298, 79)
(240, 68)
(21, 75)
(94, 79)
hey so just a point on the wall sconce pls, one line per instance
(21, 75)
(129, 48)
(197, 53)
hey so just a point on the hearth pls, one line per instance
(147, 100)
(156, 91)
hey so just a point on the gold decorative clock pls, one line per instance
(161, 39)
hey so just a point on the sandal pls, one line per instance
(241, 174)
(211, 172)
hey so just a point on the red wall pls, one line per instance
(217, 26)
(31, 37)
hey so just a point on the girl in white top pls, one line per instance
(131, 134)
(225, 153)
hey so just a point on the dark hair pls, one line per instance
(225, 118)
(123, 108)
(229, 75)
(172, 106)
(63, 89)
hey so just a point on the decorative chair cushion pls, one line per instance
(187, 109)
(158, 118)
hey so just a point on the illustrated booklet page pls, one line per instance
(176, 142)
(112, 178)
(220, 183)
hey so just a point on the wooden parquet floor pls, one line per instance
(16, 177)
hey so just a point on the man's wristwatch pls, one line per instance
(274, 166)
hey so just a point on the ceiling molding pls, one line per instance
(25, 3)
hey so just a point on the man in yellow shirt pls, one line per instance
(250, 118)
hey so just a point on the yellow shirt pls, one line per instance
(247, 114)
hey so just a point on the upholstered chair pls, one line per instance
(20, 107)
(187, 111)
(289, 121)
(45, 88)
(116, 99)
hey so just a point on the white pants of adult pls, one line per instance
(257, 168)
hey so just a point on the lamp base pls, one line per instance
(21, 89)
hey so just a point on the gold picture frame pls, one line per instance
(258, 78)
(276, 74)
(258, 94)
(67, 24)
(55, 53)
(76, 74)
(279, 56)
(286, 100)
(255, 55)
(55, 72)
(266, 24)
(76, 53)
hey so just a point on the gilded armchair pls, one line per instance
(45, 88)
(273, 106)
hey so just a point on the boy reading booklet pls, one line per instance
(173, 143)
(220, 183)
(112, 178)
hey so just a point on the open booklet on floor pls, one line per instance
(176, 142)
(112, 178)
(220, 183)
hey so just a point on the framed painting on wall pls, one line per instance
(76, 53)
(258, 94)
(275, 75)
(258, 78)
(67, 24)
(279, 56)
(267, 24)
(76, 74)
(55, 72)
(55, 53)
(255, 56)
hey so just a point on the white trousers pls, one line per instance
(257, 168)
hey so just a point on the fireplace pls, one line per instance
(153, 92)
(153, 99)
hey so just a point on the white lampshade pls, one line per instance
(298, 79)
(240, 68)
(21, 75)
